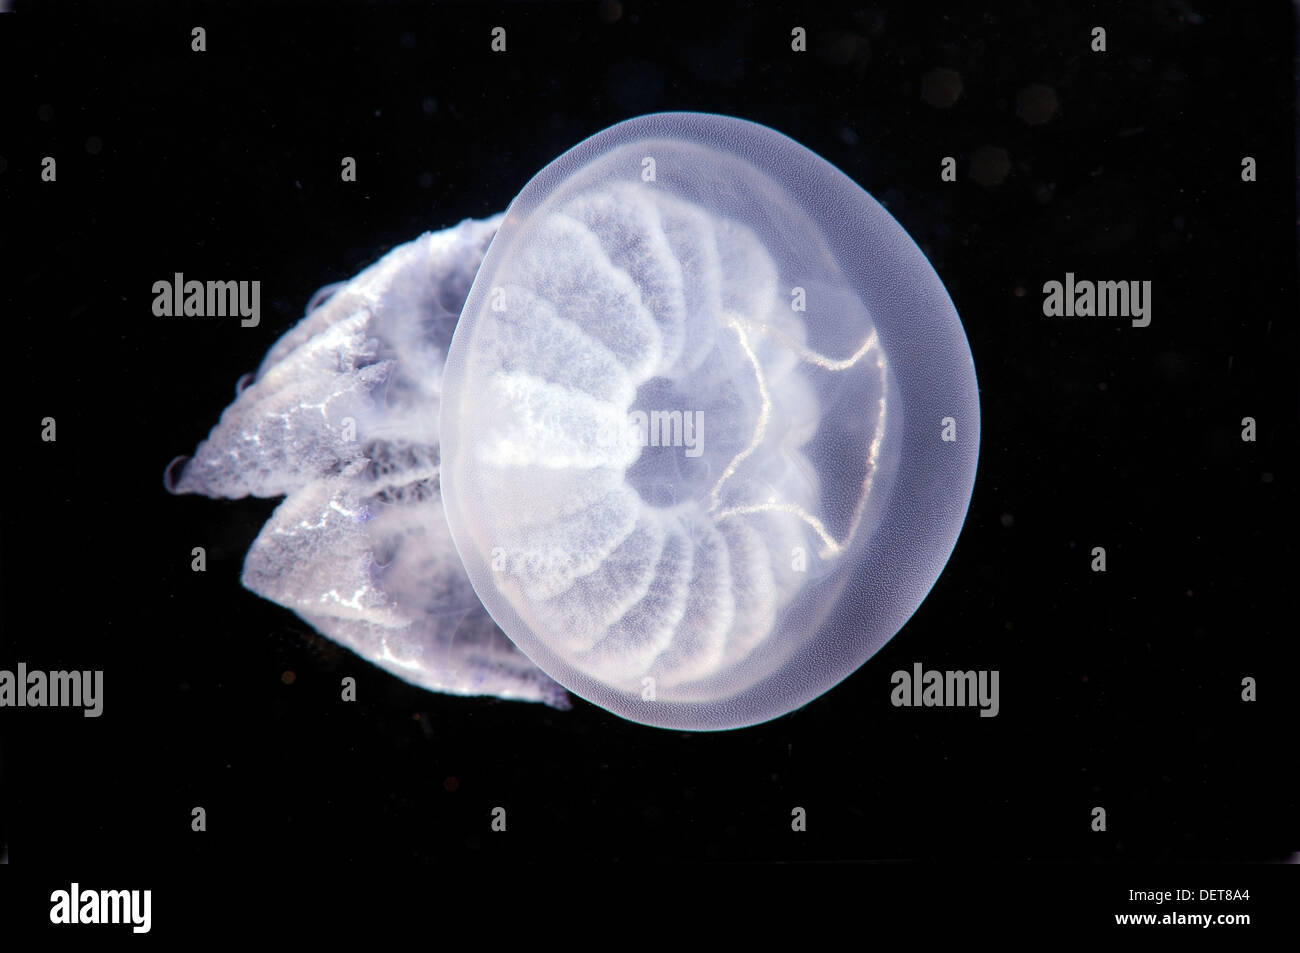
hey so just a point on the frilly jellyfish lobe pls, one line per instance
(342, 419)
(698, 420)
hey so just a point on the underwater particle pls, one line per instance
(990, 165)
(941, 87)
(1036, 104)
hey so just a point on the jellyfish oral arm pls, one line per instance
(341, 420)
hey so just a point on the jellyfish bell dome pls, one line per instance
(708, 426)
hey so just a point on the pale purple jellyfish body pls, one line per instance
(702, 440)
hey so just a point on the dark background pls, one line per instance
(1119, 689)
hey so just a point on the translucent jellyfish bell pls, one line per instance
(709, 423)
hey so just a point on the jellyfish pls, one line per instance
(689, 431)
